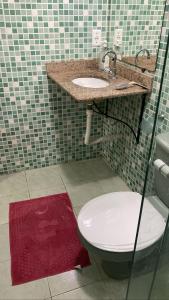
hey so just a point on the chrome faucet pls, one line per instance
(113, 56)
(142, 50)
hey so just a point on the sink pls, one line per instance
(91, 82)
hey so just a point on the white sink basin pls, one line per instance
(91, 82)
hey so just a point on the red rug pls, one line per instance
(43, 238)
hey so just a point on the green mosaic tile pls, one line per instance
(125, 158)
(40, 124)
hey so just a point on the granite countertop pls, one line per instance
(64, 72)
(142, 62)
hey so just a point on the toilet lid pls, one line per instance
(109, 222)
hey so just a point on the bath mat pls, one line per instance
(43, 238)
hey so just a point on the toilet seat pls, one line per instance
(109, 222)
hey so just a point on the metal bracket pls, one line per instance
(137, 134)
(141, 118)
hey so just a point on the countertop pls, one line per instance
(62, 73)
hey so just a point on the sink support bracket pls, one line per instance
(136, 134)
(143, 102)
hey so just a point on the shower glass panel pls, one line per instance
(150, 267)
(160, 287)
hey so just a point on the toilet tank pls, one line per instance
(162, 183)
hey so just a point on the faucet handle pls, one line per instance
(110, 73)
(107, 70)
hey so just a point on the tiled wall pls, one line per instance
(39, 124)
(124, 156)
(141, 23)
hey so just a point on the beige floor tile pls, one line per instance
(140, 286)
(4, 204)
(101, 170)
(36, 290)
(94, 291)
(4, 211)
(15, 197)
(160, 287)
(13, 183)
(117, 288)
(76, 172)
(87, 180)
(58, 189)
(77, 210)
(84, 192)
(113, 184)
(84, 181)
(73, 279)
(44, 179)
(4, 243)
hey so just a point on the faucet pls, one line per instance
(112, 71)
(142, 50)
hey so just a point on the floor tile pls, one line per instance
(73, 279)
(76, 172)
(83, 186)
(100, 169)
(44, 179)
(84, 192)
(77, 210)
(58, 189)
(140, 286)
(4, 211)
(36, 290)
(86, 171)
(13, 183)
(113, 184)
(15, 197)
(117, 288)
(160, 287)
(94, 291)
(83, 181)
(4, 204)
(4, 242)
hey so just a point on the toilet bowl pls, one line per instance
(108, 224)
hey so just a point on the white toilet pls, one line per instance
(108, 224)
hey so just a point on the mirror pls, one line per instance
(142, 62)
(134, 31)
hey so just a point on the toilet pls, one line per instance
(107, 224)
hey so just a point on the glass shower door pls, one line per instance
(150, 269)
(150, 275)
(160, 284)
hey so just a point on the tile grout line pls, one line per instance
(49, 287)
(77, 288)
(74, 207)
(63, 183)
(27, 185)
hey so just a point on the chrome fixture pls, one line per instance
(113, 56)
(142, 50)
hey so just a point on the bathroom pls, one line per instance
(80, 147)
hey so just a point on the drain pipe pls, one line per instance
(105, 138)
(89, 114)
